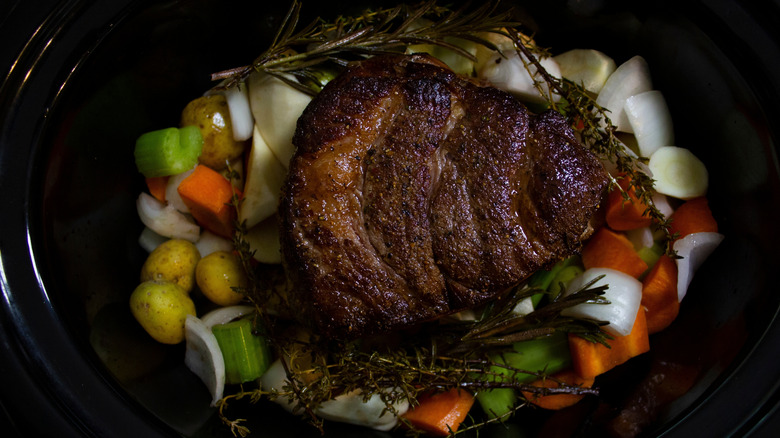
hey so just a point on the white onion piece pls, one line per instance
(352, 409)
(240, 112)
(264, 179)
(463, 315)
(345, 408)
(275, 378)
(511, 75)
(165, 220)
(224, 315)
(276, 107)
(172, 196)
(650, 120)
(524, 307)
(589, 68)
(149, 240)
(630, 78)
(661, 202)
(694, 249)
(210, 242)
(624, 293)
(678, 173)
(639, 237)
(203, 357)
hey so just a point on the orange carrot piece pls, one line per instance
(659, 294)
(608, 249)
(441, 412)
(591, 359)
(157, 185)
(558, 401)
(207, 194)
(693, 216)
(625, 214)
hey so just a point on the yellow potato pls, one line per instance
(216, 275)
(212, 116)
(174, 261)
(161, 308)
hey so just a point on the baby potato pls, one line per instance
(211, 115)
(174, 261)
(161, 308)
(216, 275)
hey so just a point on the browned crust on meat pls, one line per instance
(415, 193)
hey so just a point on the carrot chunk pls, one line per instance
(693, 216)
(157, 185)
(439, 413)
(558, 401)
(625, 214)
(608, 249)
(207, 194)
(591, 359)
(659, 294)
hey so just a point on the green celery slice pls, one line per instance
(548, 354)
(564, 276)
(543, 279)
(247, 356)
(168, 151)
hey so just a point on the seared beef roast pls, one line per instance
(415, 193)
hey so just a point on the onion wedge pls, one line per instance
(353, 409)
(149, 240)
(345, 408)
(165, 220)
(210, 242)
(509, 73)
(276, 107)
(237, 98)
(586, 67)
(693, 250)
(203, 356)
(630, 78)
(624, 294)
(172, 196)
(264, 178)
(650, 120)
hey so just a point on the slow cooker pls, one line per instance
(82, 79)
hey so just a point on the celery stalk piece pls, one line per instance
(563, 277)
(168, 151)
(650, 255)
(247, 356)
(497, 402)
(548, 354)
(543, 279)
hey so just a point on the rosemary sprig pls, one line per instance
(503, 328)
(385, 30)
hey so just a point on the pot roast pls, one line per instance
(415, 193)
